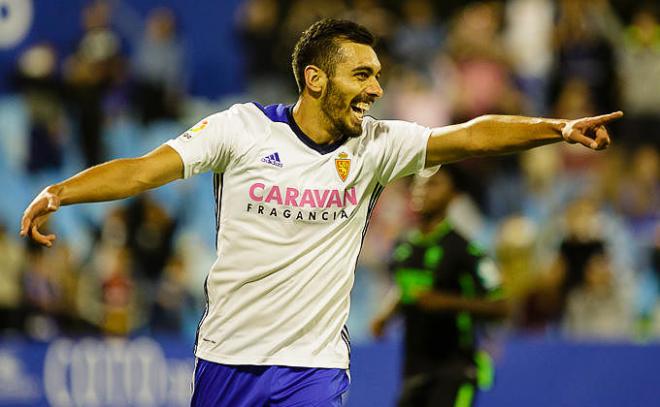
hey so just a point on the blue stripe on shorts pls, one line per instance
(221, 385)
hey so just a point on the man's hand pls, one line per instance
(37, 213)
(590, 131)
(378, 327)
(116, 179)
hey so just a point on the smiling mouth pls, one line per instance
(360, 109)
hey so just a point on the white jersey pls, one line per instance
(291, 218)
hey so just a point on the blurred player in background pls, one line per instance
(444, 284)
(295, 186)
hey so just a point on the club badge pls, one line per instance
(343, 166)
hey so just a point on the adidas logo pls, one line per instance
(273, 159)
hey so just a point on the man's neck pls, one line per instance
(428, 223)
(313, 122)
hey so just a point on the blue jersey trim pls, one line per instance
(346, 337)
(217, 191)
(284, 114)
(204, 315)
(276, 113)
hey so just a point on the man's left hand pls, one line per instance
(590, 131)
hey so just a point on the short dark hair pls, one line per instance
(319, 45)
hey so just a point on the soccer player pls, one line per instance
(295, 186)
(444, 287)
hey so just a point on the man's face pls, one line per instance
(432, 195)
(352, 89)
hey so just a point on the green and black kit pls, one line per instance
(442, 364)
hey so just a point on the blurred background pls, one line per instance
(108, 315)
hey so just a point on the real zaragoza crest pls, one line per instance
(343, 166)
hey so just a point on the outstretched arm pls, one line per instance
(496, 134)
(109, 181)
(484, 307)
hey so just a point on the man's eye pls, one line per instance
(362, 75)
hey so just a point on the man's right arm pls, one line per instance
(109, 181)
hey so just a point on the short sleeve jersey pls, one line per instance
(291, 217)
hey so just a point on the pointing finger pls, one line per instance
(603, 118)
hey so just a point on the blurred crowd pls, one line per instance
(575, 233)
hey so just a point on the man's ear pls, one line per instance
(315, 79)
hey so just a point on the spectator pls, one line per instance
(173, 301)
(528, 38)
(639, 198)
(417, 98)
(90, 73)
(596, 308)
(257, 23)
(639, 64)
(419, 36)
(158, 68)
(37, 79)
(375, 16)
(118, 293)
(584, 54)
(48, 284)
(583, 239)
(533, 292)
(11, 266)
(150, 232)
(484, 76)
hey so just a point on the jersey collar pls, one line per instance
(284, 114)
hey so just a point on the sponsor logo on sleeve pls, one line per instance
(188, 135)
(199, 126)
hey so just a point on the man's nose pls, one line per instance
(374, 89)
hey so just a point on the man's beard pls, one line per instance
(333, 107)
